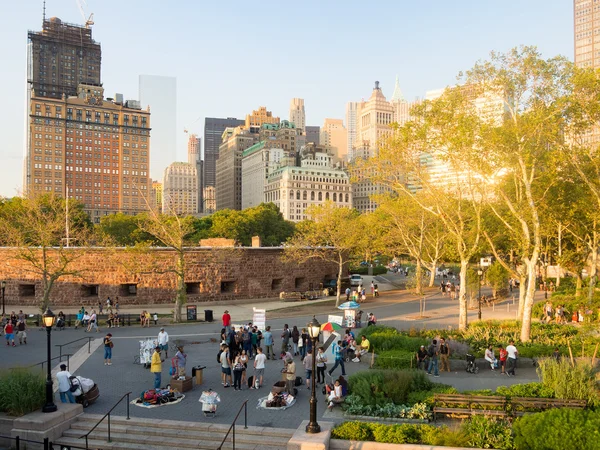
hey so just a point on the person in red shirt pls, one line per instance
(9, 332)
(503, 355)
(226, 322)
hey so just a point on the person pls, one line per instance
(93, 320)
(259, 366)
(225, 366)
(502, 355)
(116, 320)
(512, 358)
(444, 355)
(321, 365)
(304, 343)
(108, 346)
(244, 360)
(339, 359)
(156, 367)
(9, 333)
(21, 331)
(108, 303)
(372, 289)
(290, 376)
(268, 338)
(226, 321)
(490, 357)
(117, 304)
(231, 337)
(556, 354)
(433, 353)
(295, 340)
(163, 341)
(335, 396)
(348, 291)
(247, 341)
(372, 320)
(285, 339)
(60, 321)
(79, 319)
(99, 306)
(181, 359)
(64, 385)
(142, 318)
(147, 319)
(254, 339)
(86, 320)
(308, 360)
(362, 349)
(548, 312)
(422, 357)
(110, 320)
(376, 290)
(238, 370)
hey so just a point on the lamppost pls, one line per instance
(480, 273)
(3, 286)
(314, 329)
(48, 318)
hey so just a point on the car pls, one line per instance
(356, 280)
(331, 286)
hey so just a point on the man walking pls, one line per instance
(444, 355)
(9, 333)
(163, 341)
(156, 367)
(268, 342)
(259, 367)
(308, 360)
(225, 359)
(226, 321)
(64, 385)
(21, 332)
(339, 360)
(433, 353)
(512, 358)
(285, 340)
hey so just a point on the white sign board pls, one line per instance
(336, 319)
(259, 319)
(485, 262)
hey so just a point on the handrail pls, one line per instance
(89, 338)
(104, 417)
(232, 427)
(45, 362)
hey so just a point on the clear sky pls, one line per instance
(230, 57)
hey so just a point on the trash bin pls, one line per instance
(197, 372)
(191, 313)
(208, 315)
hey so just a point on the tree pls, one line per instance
(497, 276)
(36, 226)
(121, 230)
(331, 234)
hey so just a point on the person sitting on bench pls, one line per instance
(362, 349)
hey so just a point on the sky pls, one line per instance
(232, 57)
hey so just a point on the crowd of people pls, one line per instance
(14, 324)
(561, 315)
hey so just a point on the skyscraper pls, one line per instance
(180, 189)
(313, 134)
(260, 116)
(334, 138)
(297, 114)
(350, 126)
(160, 94)
(195, 158)
(587, 28)
(213, 131)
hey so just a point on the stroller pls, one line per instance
(471, 365)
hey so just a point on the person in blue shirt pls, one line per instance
(268, 343)
(338, 357)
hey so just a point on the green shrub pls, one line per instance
(398, 434)
(558, 429)
(353, 431)
(526, 390)
(568, 382)
(395, 359)
(378, 387)
(426, 396)
(21, 391)
(488, 432)
(479, 392)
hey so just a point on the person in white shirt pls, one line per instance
(489, 357)
(259, 366)
(64, 385)
(93, 322)
(86, 319)
(512, 358)
(163, 341)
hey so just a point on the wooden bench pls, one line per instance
(526, 405)
(491, 405)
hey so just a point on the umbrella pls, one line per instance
(349, 305)
(331, 326)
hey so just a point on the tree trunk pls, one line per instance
(418, 277)
(593, 267)
(432, 274)
(339, 280)
(180, 299)
(522, 291)
(529, 297)
(559, 255)
(578, 284)
(462, 299)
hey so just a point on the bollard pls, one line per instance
(507, 307)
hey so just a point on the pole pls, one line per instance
(3, 304)
(479, 301)
(49, 406)
(313, 427)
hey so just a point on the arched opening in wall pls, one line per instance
(192, 287)
(26, 290)
(277, 284)
(299, 282)
(128, 290)
(90, 290)
(228, 286)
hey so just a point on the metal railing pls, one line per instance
(89, 339)
(41, 363)
(232, 427)
(20, 443)
(104, 417)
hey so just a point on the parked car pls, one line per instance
(356, 280)
(331, 285)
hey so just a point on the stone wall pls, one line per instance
(143, 278)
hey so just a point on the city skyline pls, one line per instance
(426, 54)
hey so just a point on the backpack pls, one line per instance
(298, 381)
(430, 351)
(219, 356)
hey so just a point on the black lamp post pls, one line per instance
(314, 329)
(3, 286)
(49, 318)
(480, 273)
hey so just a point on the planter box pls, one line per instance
(182, 385)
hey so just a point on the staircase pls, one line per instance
(150, 434)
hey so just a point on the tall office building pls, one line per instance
(297, 113)
(92, 149)
(213, 132)
(334, 137)
(313, 134)
(195, 157)
(156, 192)
(259, 117)
(350, 127)
(180, 189)
(586, 17)
(160, 94)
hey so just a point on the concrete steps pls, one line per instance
(170, 434)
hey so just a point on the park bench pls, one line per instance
(291, 296)
(526, 405)
(465, 404)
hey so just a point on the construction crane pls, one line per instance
(185, 129)
(90, 20)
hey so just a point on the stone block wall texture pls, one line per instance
(145, 278)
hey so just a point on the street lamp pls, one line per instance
(3, 286)
(480, 273)
(314, 329)
(48, 319)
